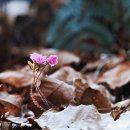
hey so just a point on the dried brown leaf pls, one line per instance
(90, 93)
(66, 74)
(10, 103)
(116, 77)
(94, 69)
(58, 92)
(104, 61)
(18, 78)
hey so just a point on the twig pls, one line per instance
(123, 110)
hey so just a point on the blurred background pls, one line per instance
(82, 26)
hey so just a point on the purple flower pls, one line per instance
(37, 58)
(52, 60)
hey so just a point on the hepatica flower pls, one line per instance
(40, 62)
(52, 60)
(37, 58)
(38, 65)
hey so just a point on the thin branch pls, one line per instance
(123, 110)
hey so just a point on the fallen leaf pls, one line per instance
(66, 74)
(91, 93)
(81, 117)
(10, 103)
(58, 92)
(105, 61)
(18, 78)
(116, 77)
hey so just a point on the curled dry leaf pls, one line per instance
(58, 92)
(104, 61)
(116, 77)
(18, 78)
(90, 93)
(66, 74)
(66, 58)
(114, 60)
(36, 105)
(76, 117)
(10, 103)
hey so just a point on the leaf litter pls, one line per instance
(77, 100)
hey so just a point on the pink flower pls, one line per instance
(37, 58)
(52, 60)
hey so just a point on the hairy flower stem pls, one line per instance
(38, 75)
(43, 98)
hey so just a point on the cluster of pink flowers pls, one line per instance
(52, 60)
